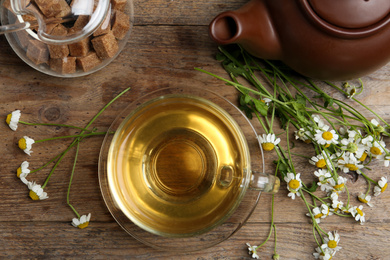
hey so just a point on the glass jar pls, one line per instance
(67, 38)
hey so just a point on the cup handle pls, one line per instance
(264, 182)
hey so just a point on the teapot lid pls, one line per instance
(351, 13)
(348, 18)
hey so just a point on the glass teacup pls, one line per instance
(179, 168)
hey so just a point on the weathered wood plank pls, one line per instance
(157, 55)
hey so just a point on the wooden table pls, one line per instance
(169, 39)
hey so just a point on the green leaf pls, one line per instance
(220, 57)
(300, 99)
(247, 98)
(313, 187)
(261, 107)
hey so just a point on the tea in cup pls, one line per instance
(179, 165)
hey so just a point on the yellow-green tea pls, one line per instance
(178, 166)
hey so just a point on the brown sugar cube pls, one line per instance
(64, 9)
(106, 25)
(118, 4)
(24, 38)
(65, 65)
(88, 62)
(50, 27)
(37, 52)
(50, 8)
(7, 4)
(105, 45)
(80, 48)
(120, 24)
(81, 22)
(58, 51)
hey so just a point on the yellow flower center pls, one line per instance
(363, 200)
(268, 146)
(8, 119)
(359, 211)
(18, 172)
(84, 225)
(375, 150)
(364, 156)
(339, 186)
(327, 135)
(327, 145)
(384, 188)
(33, 195)
(318, 215)
(321, 163)
(351, 167)
(308, 141)
(332, 244)
(294, 184)
(22, 143)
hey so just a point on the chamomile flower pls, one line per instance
(381, 187)
(365, 199)
(358, 214)
(25, 144)
(323, 176)
(367, 139)
(337, 204)
(326, 137)
(269, 141)
(331, 242)
(320, 123)
(347, 209)
(317, 214)
(378, 129)
(252, 251)
(338, 185)
(321, 160)
(350, 91)
(13, 119)
(304, 135)
(293, 184)
(36, 191)
(376, 148)
(23, 170)
(325, 254)
(386, 160)
(320, 213)
(325, 210)
(348, 162)
(81, 222)
(266, 101)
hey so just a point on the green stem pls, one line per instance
(275, 239)
(369, 179)
(272, 223)
(71, 178)
(71, 136)
(314, 196)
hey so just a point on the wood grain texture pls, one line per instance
(169, 39)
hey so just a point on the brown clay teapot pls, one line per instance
(323, 39)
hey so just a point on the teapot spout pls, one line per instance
(250, 26)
